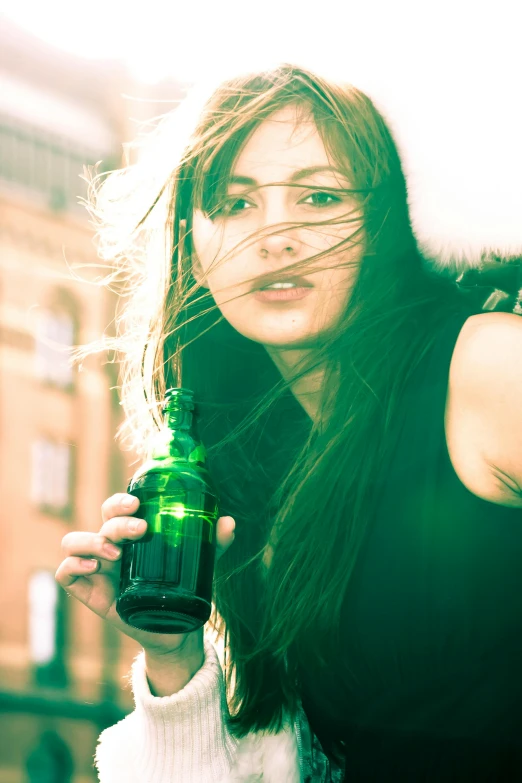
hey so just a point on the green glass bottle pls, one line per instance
(166, 577)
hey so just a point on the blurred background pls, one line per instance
(61, 670)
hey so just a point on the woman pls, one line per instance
(364, 432)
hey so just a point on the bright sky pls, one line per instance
(180, 38)
(189, 38)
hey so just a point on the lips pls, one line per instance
(266, 280)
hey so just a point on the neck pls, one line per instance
(307, 389)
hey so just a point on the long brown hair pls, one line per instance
(315, 513)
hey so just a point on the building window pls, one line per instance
(52, 476)
(47, 629)
(45, 164)
(54, 338)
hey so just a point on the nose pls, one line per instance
(276, 242)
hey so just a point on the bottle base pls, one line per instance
(161, 621)
(160, 611)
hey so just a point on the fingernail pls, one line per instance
(111, 550)
(89, 563)
(128, 501)
(135, 525)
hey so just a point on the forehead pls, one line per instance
(286, 141)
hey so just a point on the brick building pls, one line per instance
(60, 667)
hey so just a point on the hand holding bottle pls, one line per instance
(91, 571)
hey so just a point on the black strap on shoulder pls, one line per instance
(496, 285)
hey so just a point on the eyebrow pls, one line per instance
(295, 177)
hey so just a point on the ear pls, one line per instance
(197, 270)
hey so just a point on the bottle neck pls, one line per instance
(177, 419)
(177, 439)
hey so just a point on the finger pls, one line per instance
(224, 534)
(119, 505)
(81, 578)
(121, 529)
(72, 568)
(89, 545)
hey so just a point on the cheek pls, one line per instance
(337, 285)
(330, 236)
(217, 253)
(212, 245)
(206, 241)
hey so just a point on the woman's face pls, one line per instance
(283, 151)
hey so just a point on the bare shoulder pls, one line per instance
(484, 407)
(487, 340)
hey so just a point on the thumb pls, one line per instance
(224, 534)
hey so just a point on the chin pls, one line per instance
(289, 342)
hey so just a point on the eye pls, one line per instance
(232, 206)
(321, 198)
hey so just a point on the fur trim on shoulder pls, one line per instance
(446, 77)
(458, 136)
(452, 100)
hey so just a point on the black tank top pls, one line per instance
(427, 684)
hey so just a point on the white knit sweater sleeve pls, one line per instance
(184, 738)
